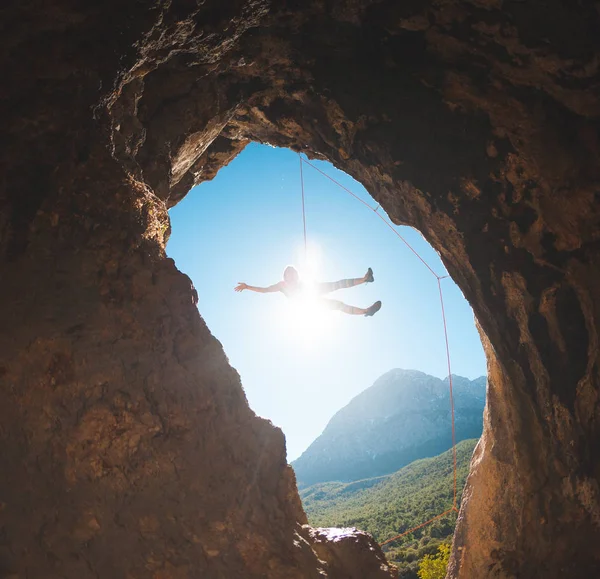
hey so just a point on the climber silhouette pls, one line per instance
(291, 286)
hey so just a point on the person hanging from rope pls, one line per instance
(291, 286)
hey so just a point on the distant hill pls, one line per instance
(388, 505)
(402, 417)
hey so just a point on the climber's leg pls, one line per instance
(330, 286)
(352, 310)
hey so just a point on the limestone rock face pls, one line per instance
(128, 449)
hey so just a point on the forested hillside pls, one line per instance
(387, 506)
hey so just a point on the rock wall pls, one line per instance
(128, 446)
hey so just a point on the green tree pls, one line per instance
(434, 566)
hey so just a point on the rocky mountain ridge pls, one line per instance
(404, 416)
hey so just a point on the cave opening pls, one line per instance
(128, 445)
(246, 224)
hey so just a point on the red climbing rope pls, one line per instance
(407, 244)
(439, 279)
(417, 527)
(302, 160)
(451, 390)
(375, 210)
(303, 209)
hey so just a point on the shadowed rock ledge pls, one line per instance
(344, 550)
(128, 448)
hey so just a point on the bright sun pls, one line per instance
(305, 319)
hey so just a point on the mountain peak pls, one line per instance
(403, 416)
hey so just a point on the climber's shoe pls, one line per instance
(373, 309)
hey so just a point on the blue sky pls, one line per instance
(299, 367)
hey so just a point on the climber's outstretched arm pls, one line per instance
(261, 290)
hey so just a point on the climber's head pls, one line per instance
(290, 275)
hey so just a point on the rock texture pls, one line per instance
(339, 547)
(404, 416)
(128, 449)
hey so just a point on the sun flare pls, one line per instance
(306, 319)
